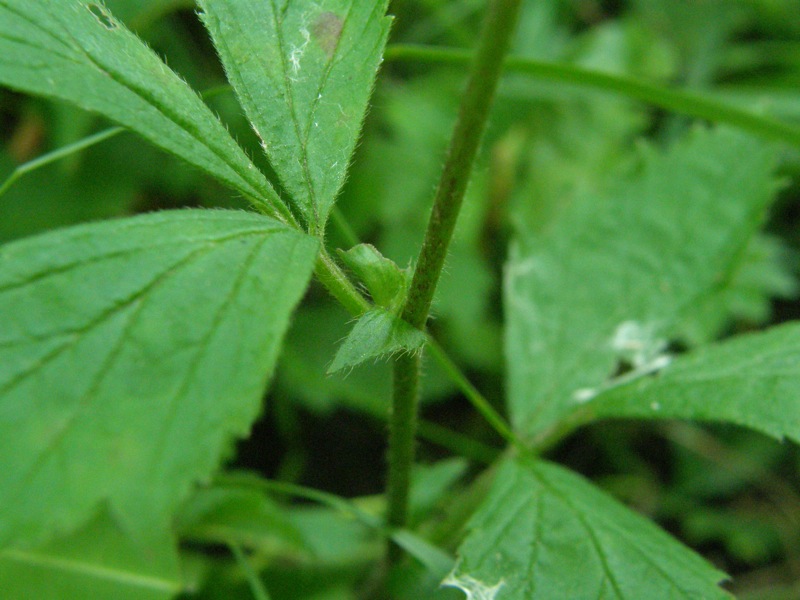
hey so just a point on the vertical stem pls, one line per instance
(402, 432)
(486, 68)
(473, 112)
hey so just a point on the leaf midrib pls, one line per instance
(623, 534)
(108, 573)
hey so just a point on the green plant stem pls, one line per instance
(457, 443)
(402, 433)
(470, 124)
(689, 103)
(58, 154)
(253, 580)
(493, 43)
(435, 559)
(481, 404)
(335, 280)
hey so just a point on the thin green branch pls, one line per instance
(429, 555)
(82, 144)
(481, 404)
(457, 443)
(299, 491)
(58, 154)
(253, 580)
(487, 65)
(689, 103)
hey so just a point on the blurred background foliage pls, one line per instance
(732, 494)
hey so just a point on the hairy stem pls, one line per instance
(470, 124)
(337, 283)
(402, 432)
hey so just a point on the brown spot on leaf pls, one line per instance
(326, 31)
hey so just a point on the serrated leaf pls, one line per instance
(131, 351)
(78, 52)
(387, 283)
(545, 532)
(303, 72)
(613, 278)
(764, 274)
(375, 334)
(752, 380)
(100, 561)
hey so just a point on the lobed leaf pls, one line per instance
(131, 351)
(614, 278)
(303, 72)
(752, 380)
(76, 51)
(545, 532)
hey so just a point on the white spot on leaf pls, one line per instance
(584, 395)
(296, 53)
(473, 588)
(637, 343)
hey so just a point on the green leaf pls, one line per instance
(765, 273)
(225, 514)
(615, 277)
(431, 485)
(387, 283)
(545, 532)
(303, 72)
(376, 334)
(313, 337)
(78, 52)
(342, 550)
(752, 380)
(434, 559)
(100, 561)
(131, 351)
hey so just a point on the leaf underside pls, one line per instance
(303, 72)
(131, 352)
(545, 532)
